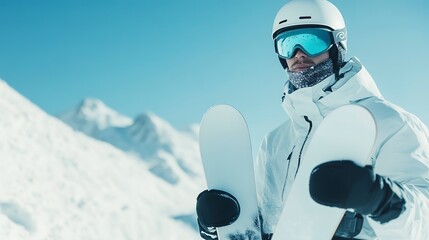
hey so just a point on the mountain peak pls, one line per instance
(152, 120)
(93, 104)
(171, 153)
(92, 114)
(150, 126)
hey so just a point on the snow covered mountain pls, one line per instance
(57, 183)
(170, 153)
(93, 115)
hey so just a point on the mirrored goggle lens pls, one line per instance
(311, 41)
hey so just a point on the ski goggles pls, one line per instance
(312, 41)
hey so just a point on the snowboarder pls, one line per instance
(387, 200)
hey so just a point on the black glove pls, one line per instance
(344, 184)
(215, 208)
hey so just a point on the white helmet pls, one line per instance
(320, 13)
(314, 13)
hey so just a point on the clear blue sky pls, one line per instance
(177, 58)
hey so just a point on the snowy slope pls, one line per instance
(57, 183)
(170, 153)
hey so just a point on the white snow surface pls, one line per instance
(57, 183)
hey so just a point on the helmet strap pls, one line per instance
(283, 63)
(337, 53)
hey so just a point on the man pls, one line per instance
(390, 199)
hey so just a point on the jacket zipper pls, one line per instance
(287, 171)
(300, 153)
(305, 140)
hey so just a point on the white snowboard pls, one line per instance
(228, 165)
(347, 133)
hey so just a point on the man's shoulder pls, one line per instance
(391, 116)
(384, 109)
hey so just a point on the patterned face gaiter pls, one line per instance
(312, 75)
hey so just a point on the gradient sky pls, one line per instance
(177, 58)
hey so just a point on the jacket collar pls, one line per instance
(317, 101)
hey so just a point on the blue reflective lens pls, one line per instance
(312, 41)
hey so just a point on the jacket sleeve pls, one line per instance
(268, 179)
(259, 167)
(404, 158)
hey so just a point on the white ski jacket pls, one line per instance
(402, 151)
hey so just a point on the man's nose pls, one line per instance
(300, 54)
